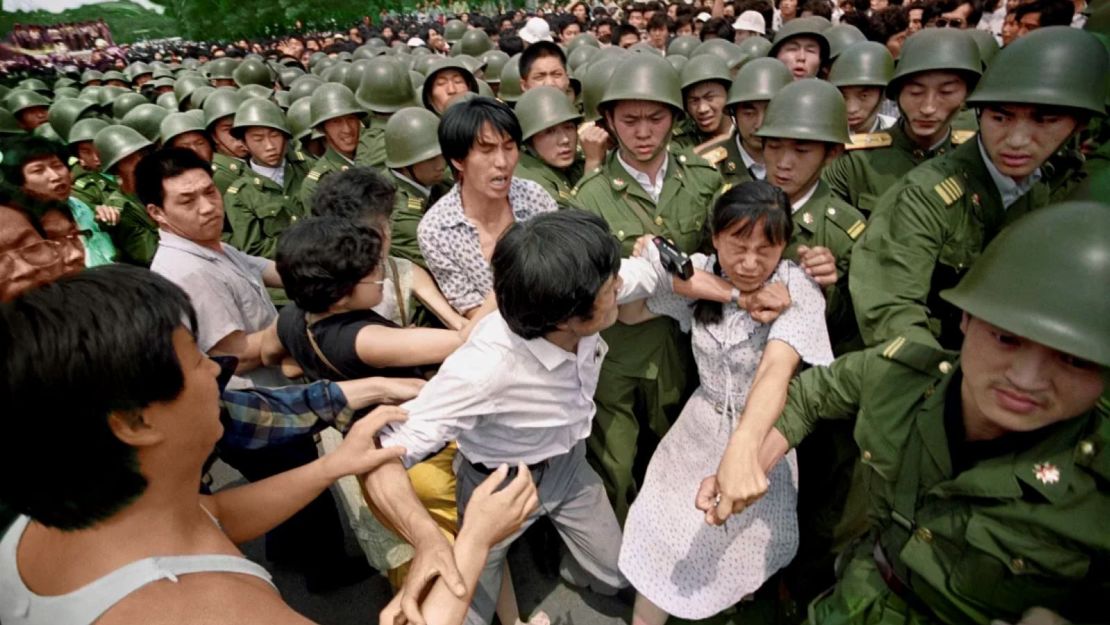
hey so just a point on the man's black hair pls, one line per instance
(717, 27)
(1053, 12)
(537, 51)
(659, 20)
(157, 166)
(622, 30)
(71, 354)
(322, 259)
(935, 9)
(462, 124)
(816, 7)
(358, 194)
(510, 43)
(549, 269)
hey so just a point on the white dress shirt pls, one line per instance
(654, 188)
(277, 174)
(755, 168)
(797, 206)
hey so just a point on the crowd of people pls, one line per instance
(787, 310)
(67, 36)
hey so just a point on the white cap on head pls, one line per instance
(702, 17)
(535, 29)
(415, 42)
(751, 20)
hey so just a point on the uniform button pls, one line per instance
(659, 221)
(1017, 564)
(924, 534)
(945, 367)
(620, 234)
(866, 456)
(929, 391)
(1086, 449)
(831, 212)
(682, 158)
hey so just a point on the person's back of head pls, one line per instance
(551, 268)
(816, 7)
(717, 28)
(358, 194)
(510, 43)
(78, 358)
(323, 259)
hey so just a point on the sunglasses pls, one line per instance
(949, 22)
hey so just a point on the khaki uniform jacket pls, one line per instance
(408, 209)
(91, 187)
(371, 144)
(925, 233)
(226, 170)
(1019, 526)
(326, 164)
(724, 154)
(558, 184)
(259, 210)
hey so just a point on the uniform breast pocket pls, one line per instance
(274, 219)
(962, 246)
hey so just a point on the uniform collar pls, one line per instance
(755, 168)
(1009, 189)
(425, 191)
(275, 174)
(653, 189)
(802, 201)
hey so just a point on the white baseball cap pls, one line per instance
(415, 42)
(535, 29)
(702, 17)
(751, 20)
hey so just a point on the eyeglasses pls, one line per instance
(949, 22)
(374, 282)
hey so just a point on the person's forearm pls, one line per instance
(270, 275)
(704, 285)
(772, 450)
(768, 395)
(251, 356)
(391, 493)
(249, 511)
(718, 8)
(441, 606)
(428, 293)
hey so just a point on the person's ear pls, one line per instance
(133, 428)
(834, 152)
(965, 321)
(155, 213)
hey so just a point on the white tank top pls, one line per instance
(20, 606)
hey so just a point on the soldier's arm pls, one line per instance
(831, 392)
(839, 175)
(247, 234)
(130, 237)
(892, 267)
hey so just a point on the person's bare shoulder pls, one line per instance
(203, 599)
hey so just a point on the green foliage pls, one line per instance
(129, 22)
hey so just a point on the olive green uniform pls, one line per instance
(970, 532)
(875, 162)
(558, 184)
(135, 235)
(371, 144)
(686, 136)
(226, 170)
(924, 235)
(326, 164)
(725, 156)
(409, 206)
(259, 210)
(91, 187)
(646, 375)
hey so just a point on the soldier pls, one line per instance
(30, 108)
(550, 143)
(186, 130)
(337, 115)
(385, 89)
(937, 69)
(986, 468)
(643, 188)
(544, 63)
(265, 199)
(227, 162)
(739, 158)
(65, 112)
(802, 47)
(416, 168)
(89, 185)
(930, 228)
(446, 80)
(705, 85)
(308, 139)
(146, 119)
(135, 235)
(861, 72)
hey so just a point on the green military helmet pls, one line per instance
(417, 80)
(161, 72)
(581, 56)
(367, 51)
(511, 89)
(798, 27)
(332, 100)
(46, 131)
(63, 82)
(22, 99)
(988, 45)
(475, 42)
(346, 74)
(91, 75)
(1023, 284)
(198, 96)
(111, 75)
(386, 88)
(376, 43)
(4, 91)
(158, 83)
(755, 47)
(304, 86)
(444, 64)
(222, 103)
(108, 96)
(186, 85)
(34, 84)
(283, 99)
(485, 90)
(474, 65)
(9, 125)
(253, 72)
(683, 45)
(419, 51)
(759, 81)
(644, 77)
(167, 101)
(411, 137)
(809, 109)
(116, 142)
(425, 63)
(840, 37)
(863, 64)
(454, 30)
(706, 67)
(85, 130)
(176, 124)
(222, 68)
(937, 49)
(495, 61)
(541, 108)
(66, 92)
(725, 50)
(677, 61)
(147, 119)
(322, 65)
(256, 91)
(65, 112)
(257, 112)
(315, 59)
(136, 69)
(580, 40)
(406, 60)
(594, 82)
(644, 48)
(1041, 68)
(299, 118)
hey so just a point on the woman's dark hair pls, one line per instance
(18, 150)
(550, 269)
(322, 259)
(462, 124)
(754, 204)
(157, 167)
(358, 194)
(72, 353)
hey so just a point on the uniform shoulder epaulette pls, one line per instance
(235, 188)
(232, 166)
(81, 183)
(924, 358)
(71, 161)
(962, 136)
(415, 203)
(314, 174)
(869, 140)
(693, 159)
(950, 189)
(590, 175)
(715, 155)
(847, 218)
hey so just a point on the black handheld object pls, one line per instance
(675, 261)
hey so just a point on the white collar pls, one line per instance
(419, 187)
(797, 206)
(653, 188)
(1010, 189)
(754, 167)
(277, 174)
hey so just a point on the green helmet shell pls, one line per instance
(345, 74)
(580, 40)
(1042, 68)
(759, 81)
(197, 97)
(474, 65)
(863, 64)
(332, 100)
(167, 101)
(22, 99)
(9, 125)
(65, 112)
(1022, 282)
(677, 61)
(755, 47)
(299, 118)
(683, 45)
(283, 99)
(91, 75)
(223, 102)
(799, 27)
(541, 108)
(176, 124)
(64, 81)
(36, 85)
(454, 30)
(85, 130)
(185, 86)
(66, 92)
(806, 110)
(475, 42)
(367, 51)
(644, 77)
(485, 90)
(510, 89)
(304, 86)
(444, 64)
(111, 75)
(253, 72)
(424, 63)
(988, 46)
(147, 119)
(725, 50)
(136, 69)
(222, 68)
(116, 142)
(581, 56)
(840, 37)
(255, 91)
(386, 88)
(706, 67)
(46, 131)
(495, 61)
(597, 77)
(257, 112)
(937, 49)
(411, 136)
